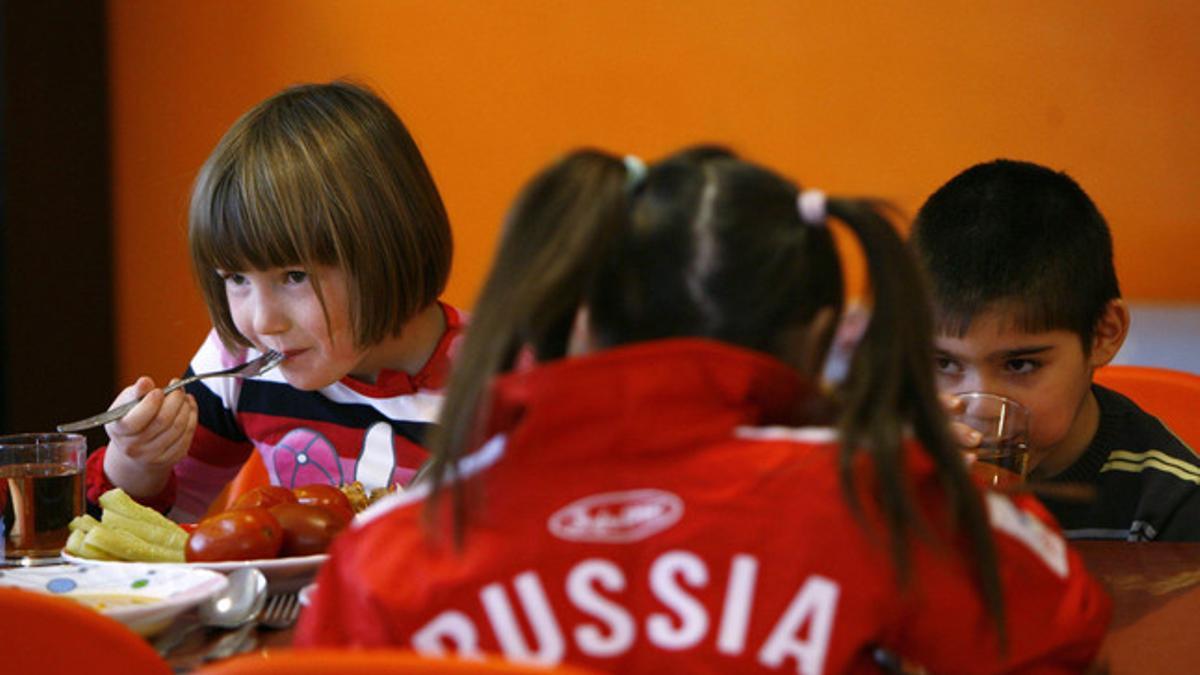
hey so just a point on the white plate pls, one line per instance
(284, 575)
(173, 588)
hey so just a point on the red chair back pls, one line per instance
(1172, 396)
(371, 662)
(43, 634)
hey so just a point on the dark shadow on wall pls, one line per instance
(56, 261)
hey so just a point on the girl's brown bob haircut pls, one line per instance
(323, 175)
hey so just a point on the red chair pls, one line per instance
(1172, 396)
(43, 634)
(371, 662)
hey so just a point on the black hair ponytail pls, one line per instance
(557, 231)
(889, 390)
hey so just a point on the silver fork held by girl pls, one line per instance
(250, 368)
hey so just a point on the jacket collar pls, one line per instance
(659, 393)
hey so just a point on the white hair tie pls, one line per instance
(635, 171)
(811, 204)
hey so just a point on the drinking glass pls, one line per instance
(1002, 457)
(41, 490)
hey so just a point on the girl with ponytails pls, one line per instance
(663, 487)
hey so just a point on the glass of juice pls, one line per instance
(41, 490)
(1002, 457)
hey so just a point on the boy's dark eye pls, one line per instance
(946, 365)
(1021, 366)
(232, 278)
(296, 276)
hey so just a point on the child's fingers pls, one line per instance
(172, 404)
(142, 386)
(140, 419)
(154, 415)
(965, 436)
(184, 442)
(159, 451)
(143, 448)
(185, 426)
(962, 434)
(145, 433)
(183, 423)
(171, 443)
(952, 403)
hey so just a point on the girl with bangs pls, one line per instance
(316, 231)
(670, 490)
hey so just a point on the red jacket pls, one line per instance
(637, 513)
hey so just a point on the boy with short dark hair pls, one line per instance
(1028, 307)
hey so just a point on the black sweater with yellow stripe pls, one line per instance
(1147, 479)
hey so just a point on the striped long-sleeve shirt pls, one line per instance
(347, 431)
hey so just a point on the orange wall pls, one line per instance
(890, 101)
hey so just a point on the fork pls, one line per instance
(251, 368)
(280, 612)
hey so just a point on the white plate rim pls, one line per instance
(141, 617)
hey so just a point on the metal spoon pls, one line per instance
(241, 602)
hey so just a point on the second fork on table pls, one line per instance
(280, 612)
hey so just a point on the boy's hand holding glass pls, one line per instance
(994, 432)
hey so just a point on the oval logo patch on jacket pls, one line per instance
(617, 517)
